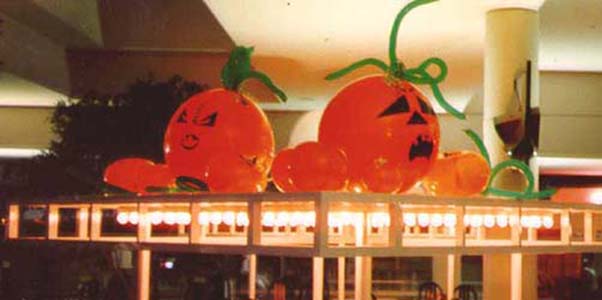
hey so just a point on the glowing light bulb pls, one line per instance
(156, 217)
(467, 220)
(525, 221)
(282, 219)
(436, 220)
(204, 218)
(309, 219)
(215, 218)
(242, 219)
(548, 222)
(449, 220)
(380, 220)
(229, 218)
(489, 221)
(134, 217)
(296, 219)
(358, 219)
(269, 218)
(409, 219)
(333, 220)
(502, 221)
(424, 220)
(346, 218)
(183, 218)
(536, 222)
(122, 218)
(169, 218)
(513, 220)
(476, 221)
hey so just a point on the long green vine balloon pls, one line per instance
(238, 69)
(396, 69)
(528, 193)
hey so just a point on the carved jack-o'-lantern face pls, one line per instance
(214, 122)
(381, 126)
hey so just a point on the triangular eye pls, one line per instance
(400, 105)
(183, 117)
(425, 108)
(209, 120)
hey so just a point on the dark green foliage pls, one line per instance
(99, 129)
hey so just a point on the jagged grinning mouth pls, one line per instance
(422, 147)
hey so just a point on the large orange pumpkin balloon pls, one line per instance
(215, 122)
(281, 170)
(137, 174)
(223, 123)
(385, 122)
(461, 173)
(318, 167)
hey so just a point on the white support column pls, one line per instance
(454, 273)
(318, 278)
(512, 38)
(363, 266)
(363, 277)
(13, 221)
(341, 278)
(447, 272)
(82, 224)
(252, 276)
(144, 273)
(521, 266)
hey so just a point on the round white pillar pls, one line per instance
(512, 38)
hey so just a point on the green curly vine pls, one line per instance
(396, 69)
(527, 193)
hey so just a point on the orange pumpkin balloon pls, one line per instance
(137, 174)
(158, 175)
(461, 173)
(215, 122)
(388, 121)
(228, 172)
(281, 170)
(318, 167)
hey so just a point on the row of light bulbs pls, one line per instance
(477, 220)
(155, 218)
(338, 219)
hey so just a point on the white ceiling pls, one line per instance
(314, 37)
(317, 37)
(298, 42)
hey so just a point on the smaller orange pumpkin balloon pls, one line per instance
(460, 173)
(230, 172)
(158, 175)
(281, 170)
(129, 174)
(318, 167)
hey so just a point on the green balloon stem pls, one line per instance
(238, 69)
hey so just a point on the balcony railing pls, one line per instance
(314, 224)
